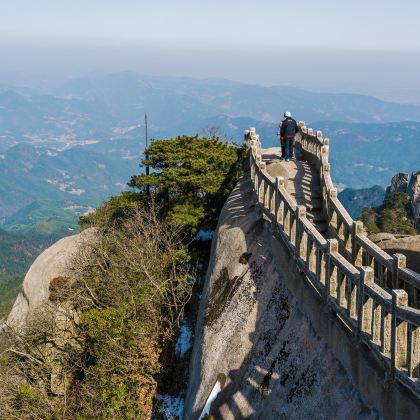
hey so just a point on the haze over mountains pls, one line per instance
(65, 149)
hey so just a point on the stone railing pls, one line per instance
(390, 272)
(378, 317)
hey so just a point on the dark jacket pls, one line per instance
(288, 128)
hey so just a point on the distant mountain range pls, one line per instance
(128, 95)
(355, 200)
(66, 150)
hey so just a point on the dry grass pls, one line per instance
(93, 349)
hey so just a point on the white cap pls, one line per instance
(287, 114)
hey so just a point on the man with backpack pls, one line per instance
(286, 133)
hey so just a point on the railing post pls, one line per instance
(356, 251)
(414, 351)
(300, 213)
(324, 154)
(331, 271)
(263, 196)
(364, 302)
(332, 216)
(398, 332)
(279, 203)
(400, 261)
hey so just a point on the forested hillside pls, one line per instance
(132, 289)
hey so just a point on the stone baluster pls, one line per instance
(414, 351)
(324, 154)
(319, 135)
(398, 331)
(357, 229)
(311, 255)
(331, 272)
(400, 261)
(300, 245)
(364, 302)
(279, 202)
(376, 323)
(352, 292)
(332, 215)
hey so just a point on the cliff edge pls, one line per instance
(50, 265)
(255, 338)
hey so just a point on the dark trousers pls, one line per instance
(283, 148)
(288, 148)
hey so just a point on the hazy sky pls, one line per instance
(356, 24)
(342, 44)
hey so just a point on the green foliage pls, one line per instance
(190, 178)
(16, 253)
(396, 221)
(396, 200)
(391, 217)
(9, 290)
(394, 215)
(113, 210)
(368, 217)
(132, 287)
(129, 290)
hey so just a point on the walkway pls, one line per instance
(302, 183)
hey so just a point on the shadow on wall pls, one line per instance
(275, 364)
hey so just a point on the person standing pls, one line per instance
(288, 131)
(282, 141)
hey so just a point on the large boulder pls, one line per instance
(51, 265)
(408, 245)
(399, 182)
(414, 193)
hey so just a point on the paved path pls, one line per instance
(301, 181)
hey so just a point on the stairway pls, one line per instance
(302, 183)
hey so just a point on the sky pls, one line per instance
(354, 45)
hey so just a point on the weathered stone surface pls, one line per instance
(399, 182)
(409, 246)
(383, 236)
(50, 265)
(414, 193)
(252, 331)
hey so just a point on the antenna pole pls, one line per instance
(147, 143)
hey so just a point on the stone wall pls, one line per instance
(348, 271)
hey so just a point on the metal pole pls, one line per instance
(147, 143)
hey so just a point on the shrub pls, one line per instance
(128, 289)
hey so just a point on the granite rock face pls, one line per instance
(51, 264)
(414, 193)
(399, 183)
(252, 332)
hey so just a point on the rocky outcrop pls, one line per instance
(409, 245)
(414, 193)
(50, 266)
(253, 332)
(399, 183)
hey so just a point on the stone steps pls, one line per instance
(316, 217)
(322, 227)
(314, 205)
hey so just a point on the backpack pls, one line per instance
(289, 128)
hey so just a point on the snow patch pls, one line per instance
(183, 343)
(172, 407)
(213, 394)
